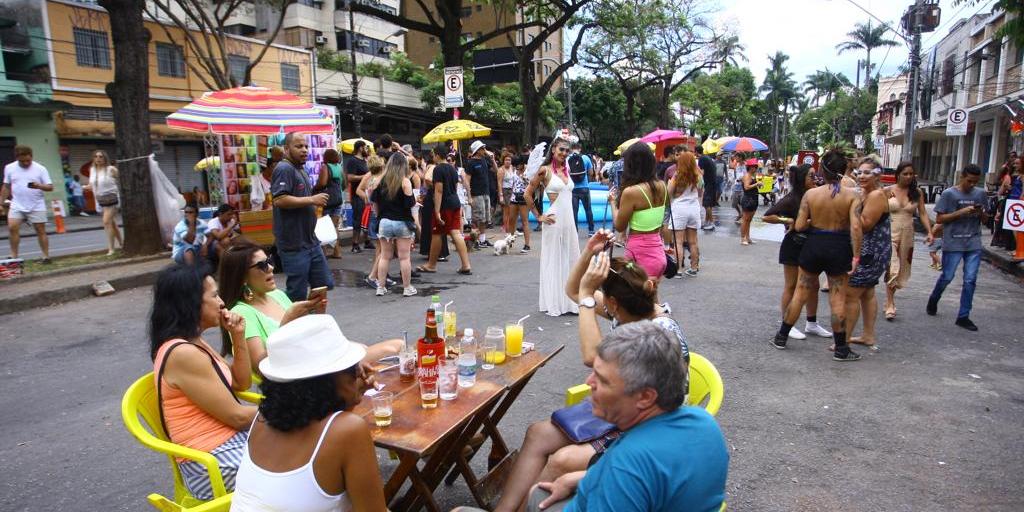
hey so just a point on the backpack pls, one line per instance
(577, 171)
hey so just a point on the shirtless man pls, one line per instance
(829, 215)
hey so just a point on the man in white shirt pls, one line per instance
(25, 182)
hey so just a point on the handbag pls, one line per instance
(107, 200)
(579, 424)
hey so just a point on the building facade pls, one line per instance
(972, 69)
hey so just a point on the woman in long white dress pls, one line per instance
(560, 244)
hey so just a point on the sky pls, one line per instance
(809, 30)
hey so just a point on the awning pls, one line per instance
(928, 133)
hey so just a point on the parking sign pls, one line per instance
(453, 87)
(956, 122)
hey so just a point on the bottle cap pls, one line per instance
(435, 298)
(468, 333)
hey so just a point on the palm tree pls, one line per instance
(780, 89)
(731, 51)
(825, 84)
(867, 38)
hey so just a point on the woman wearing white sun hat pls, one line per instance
(307, 452)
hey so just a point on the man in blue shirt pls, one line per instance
(961, 210)
(580, 169)
(189, 242)
(669, 457)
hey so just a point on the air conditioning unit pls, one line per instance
(363, 43)
(321, 39)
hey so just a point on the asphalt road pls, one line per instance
(931, 422)
(60, 245)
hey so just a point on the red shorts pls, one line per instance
(452, 222)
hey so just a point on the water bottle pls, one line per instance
(467, 360)
(435, 304)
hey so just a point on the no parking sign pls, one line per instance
(1013, 217)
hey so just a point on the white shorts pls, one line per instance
(35, 217)
(687, 217)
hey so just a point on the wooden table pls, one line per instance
(443, 438)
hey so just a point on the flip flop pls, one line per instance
(465, 271)
(425, 270)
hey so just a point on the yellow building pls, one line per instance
(81, 61)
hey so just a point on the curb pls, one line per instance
(999, 260)
(24, 278)
(46, 298)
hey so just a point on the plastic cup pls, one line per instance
(514, 340)
(382, 409)
(488, 350)
(407, 365)
(428, 394)
(448, 381)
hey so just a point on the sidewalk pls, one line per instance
(75, 224)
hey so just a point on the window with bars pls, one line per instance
(290, 77)
(237, 65)
(170, 60)
(948, 73)
(91, 48)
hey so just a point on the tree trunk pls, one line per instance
(531, 106)
(664, 117)
(129, 96)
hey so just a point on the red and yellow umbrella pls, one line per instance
(250, 110)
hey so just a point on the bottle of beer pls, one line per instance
(430, 348)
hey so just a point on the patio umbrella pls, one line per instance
(625, 145)
(349, 145)
(250, 110)
(712, 146)
(744, 145)
(664, 138)
(207, 163)
(456, 129)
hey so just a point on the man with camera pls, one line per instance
(25, 182)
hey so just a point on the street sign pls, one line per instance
(453, 87)
(1013, 217)
(956, 122)
(859, 141)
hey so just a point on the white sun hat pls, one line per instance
(309, 346)
(475, 146)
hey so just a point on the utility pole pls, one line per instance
(357, 108)
(914, 25)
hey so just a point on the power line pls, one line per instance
(884, 23)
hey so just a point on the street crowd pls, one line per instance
(302, 448)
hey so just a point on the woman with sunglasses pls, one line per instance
(248, 289)
(875, 252)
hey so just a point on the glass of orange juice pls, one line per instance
(514, 340)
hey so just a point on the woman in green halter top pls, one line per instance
(641, 208)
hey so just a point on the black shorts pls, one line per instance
(830, 253)
(789, 251)
(748, 203)
(710, 199)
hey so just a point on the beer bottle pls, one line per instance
(429, 348)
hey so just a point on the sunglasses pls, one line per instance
(264, 265)
(562, 150)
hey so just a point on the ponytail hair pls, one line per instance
(629, 285)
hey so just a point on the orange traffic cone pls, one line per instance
(1018, 254)
(58, 215)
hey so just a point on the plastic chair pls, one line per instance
(141, 415)
(705, 384)
(222, 504)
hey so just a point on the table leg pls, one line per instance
(407, 463)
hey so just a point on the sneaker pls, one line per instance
(370, 282)
(816, 329)
(966, 323)
(692, 272)
(381, 291)
(778, 342)
(796, 334)
(525, 249)
(409, 292)
(590, 233)
(367, 245)
(846, 356)
(519, 232)
(83, 214)
(389, 281)
(486, 243)
(708, 227)
(932, 308)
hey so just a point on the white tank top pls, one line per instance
(689, 197)
(257, 489)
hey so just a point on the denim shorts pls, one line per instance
(392, 229)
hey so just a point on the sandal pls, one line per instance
(425, 270)
(465, 271)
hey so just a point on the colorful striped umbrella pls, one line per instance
(744, 145)
(250, 110)
(712, 146)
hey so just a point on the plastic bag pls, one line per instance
(167, 201)
(325, 230)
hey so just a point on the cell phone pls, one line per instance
(31, 184)
(316, 294)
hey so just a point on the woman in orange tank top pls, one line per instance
(195, 384)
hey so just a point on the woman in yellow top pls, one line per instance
(641, 208)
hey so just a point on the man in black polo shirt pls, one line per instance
(355, 168)
(294, 220)
(707, 166)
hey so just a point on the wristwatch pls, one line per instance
(588, 302)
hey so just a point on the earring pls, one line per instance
(247, 293)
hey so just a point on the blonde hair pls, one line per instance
(394, 173)
(375, 164)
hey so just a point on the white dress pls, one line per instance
(560, 248)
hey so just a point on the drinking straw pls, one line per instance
(520, 322)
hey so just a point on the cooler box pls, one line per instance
(11, 267)
(346, 215)
(206, 213)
